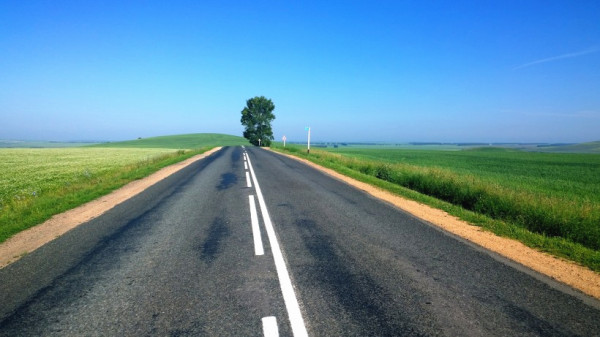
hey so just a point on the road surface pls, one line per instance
(231, 246)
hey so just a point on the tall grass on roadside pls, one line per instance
(577, 221)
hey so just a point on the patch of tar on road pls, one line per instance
(532, 323)
(235, 156)
(227, 180)
(359, 295)
(344, 197)
(217, 232)
(286, 162)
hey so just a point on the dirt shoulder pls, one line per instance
(569, 273)
(31, 239)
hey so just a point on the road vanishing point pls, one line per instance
(247, 242)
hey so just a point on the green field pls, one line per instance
(38, 183)
(39, 144)
(189, 141)
(550, 201)
(591, 147)
(566, 176)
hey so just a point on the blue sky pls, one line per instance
(396, 71)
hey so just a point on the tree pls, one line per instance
(257, 117)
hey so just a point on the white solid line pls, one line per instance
(287, 289)
(248, 183)
(270, 326)
(258, 246)
(245, 165)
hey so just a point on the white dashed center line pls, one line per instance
(270, 326)
(287, 289)
(248, 183)
(258, 246)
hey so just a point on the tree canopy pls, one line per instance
(257, 117)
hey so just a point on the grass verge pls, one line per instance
(508, 214)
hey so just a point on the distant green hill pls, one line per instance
(189, 141)
(591, 147)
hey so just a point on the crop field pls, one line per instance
(565, 176)
(38, 183)
(39, 144)
(26, 173)
(555, 197)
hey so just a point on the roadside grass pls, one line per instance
(566, 176)
(547, 201)
(38, 183)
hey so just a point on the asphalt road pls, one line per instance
(180, 260)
